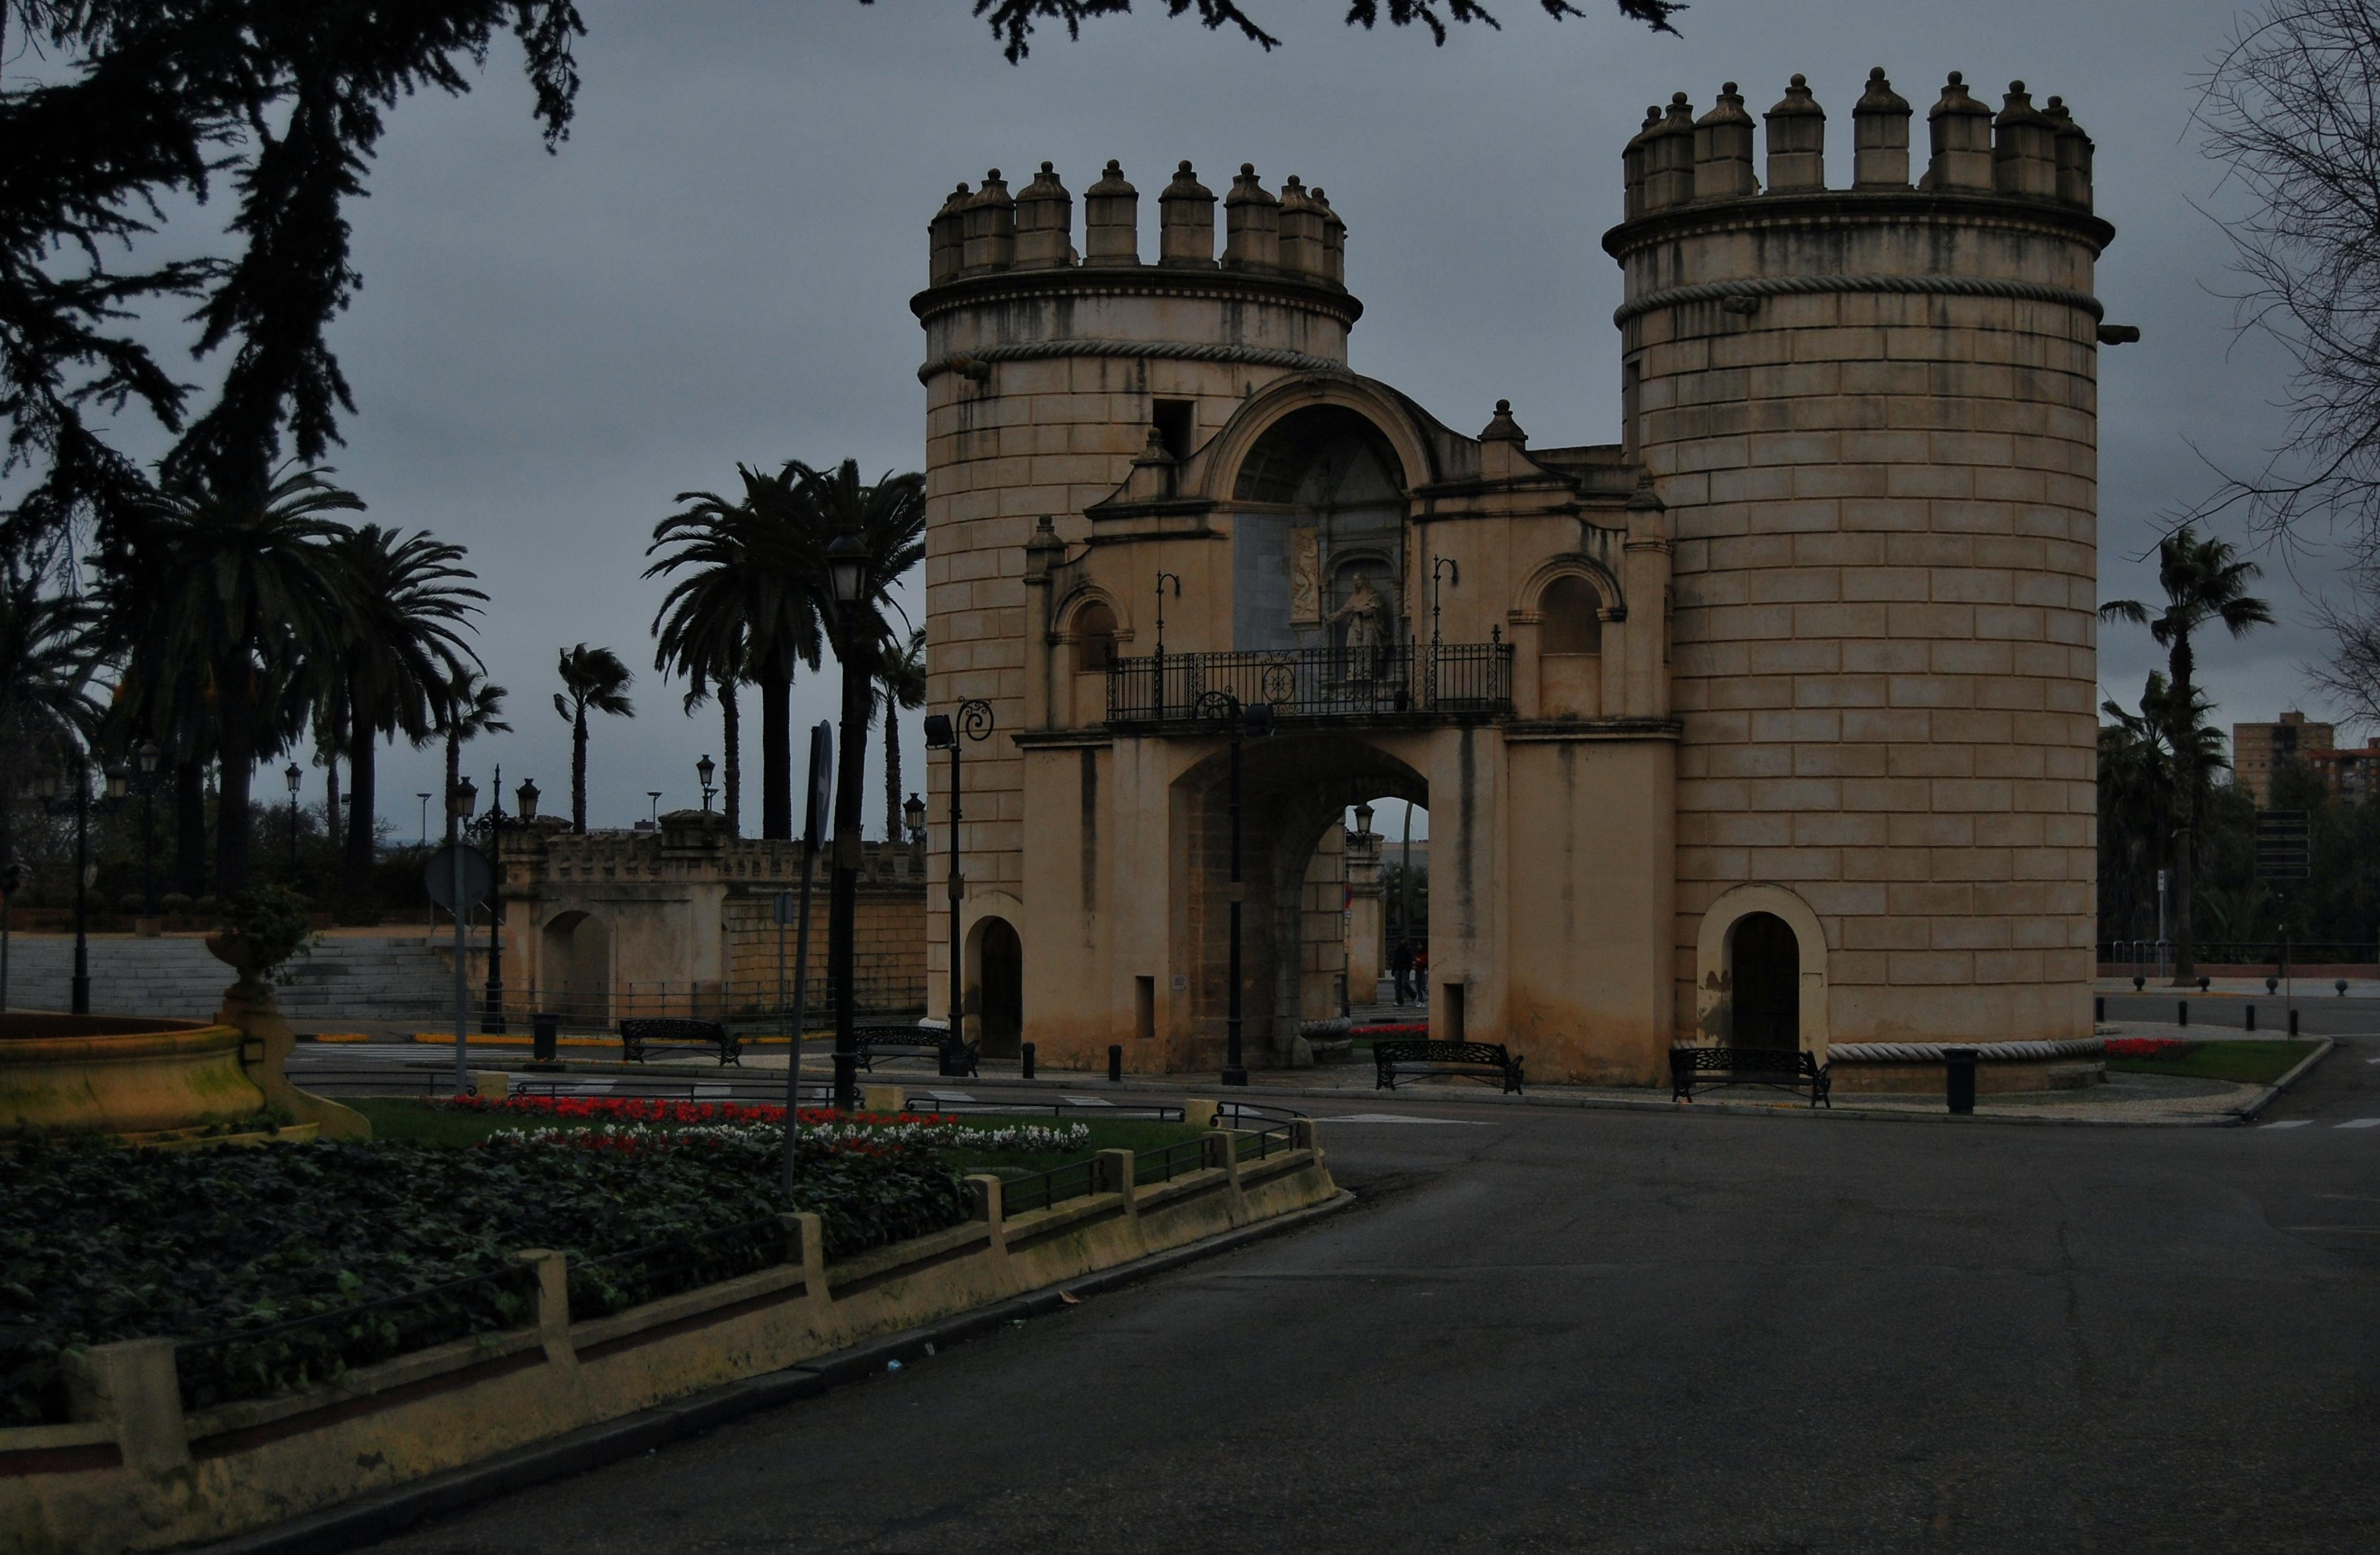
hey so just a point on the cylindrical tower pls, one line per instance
(1045, 379)
(1871, 413)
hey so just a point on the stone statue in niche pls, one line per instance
(1305, 577)
(1366, 615)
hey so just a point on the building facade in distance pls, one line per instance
(2256, 749)
(1770, 722)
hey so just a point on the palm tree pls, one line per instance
(49, 650)
(900, 685)
(472, 706)
(593, 679)
(745, 612)
(400, 659)
(889, 520)
(221, 594)
(2205, 583)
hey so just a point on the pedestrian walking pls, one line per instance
(1401, 965)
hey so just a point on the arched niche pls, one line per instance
(1715, 956)
(1570, 647)
(574, 968)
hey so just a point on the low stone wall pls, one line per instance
(2001, 1068)
(133, 1472)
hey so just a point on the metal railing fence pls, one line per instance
(1316, 682)
(618, 1280)
(1040, 1190)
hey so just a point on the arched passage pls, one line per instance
(574, 968)
(1296, 789)
(1764, 965)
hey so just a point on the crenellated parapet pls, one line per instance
(2023, 152)
(1294, 235)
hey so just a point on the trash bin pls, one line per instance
(1958, 1078)
(544, 1036)
(1024, 1057)
(1115, 1063)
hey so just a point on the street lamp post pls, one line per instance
(942, 731)
(293, 774)
(146, 755)
(1253, 721)
(704, 770)
(77, 771)
(1157, 658)
(459, 805)
(847, 566)
(1442, 568)
(491, 1015)
(425, 799)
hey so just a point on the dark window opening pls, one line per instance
(1766, 971)
(1176, 421)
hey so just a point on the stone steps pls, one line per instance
(357, 977)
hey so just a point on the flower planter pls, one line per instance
(122, 1076)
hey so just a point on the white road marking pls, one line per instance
(2351, 1231)
(945, 1096)
(703, 1092)
(1401, 1118)
(2288, 1122)
(1088, 1101)
(2361, 1123)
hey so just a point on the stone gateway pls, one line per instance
(1770, 724)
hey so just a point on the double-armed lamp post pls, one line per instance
(944, 731)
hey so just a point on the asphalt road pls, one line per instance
(1562, 1331)
(2321, 1012)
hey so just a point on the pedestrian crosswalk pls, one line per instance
(2361, 1123)
(2308, 1123)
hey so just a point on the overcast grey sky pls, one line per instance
(717, 266)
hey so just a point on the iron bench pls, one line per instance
(644, 1035)
(1786, 1068)
(1481, 1061)
(952, 1055)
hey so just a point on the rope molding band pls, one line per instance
(964, 362)
(1987, 1053)
(1792, 286)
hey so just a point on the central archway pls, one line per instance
(1000, 987)
(1765, 963)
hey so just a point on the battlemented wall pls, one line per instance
(1871, 414)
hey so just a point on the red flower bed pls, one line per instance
(651, 1110)
(2144, 1047)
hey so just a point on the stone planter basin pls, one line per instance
(121, 1074)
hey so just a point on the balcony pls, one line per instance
(1447, 679)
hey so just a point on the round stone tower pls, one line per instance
(1871, 413)
(1049, 373)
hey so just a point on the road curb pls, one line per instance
(383, 1514)
(2304, 1066)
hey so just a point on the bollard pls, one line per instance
(1958, 1078)
(1025, 1056)
(2184, 1019)
(2251, 1017)
(545, 1035)
(1115, 1064)
(2293, 1023)
(2099, 1007)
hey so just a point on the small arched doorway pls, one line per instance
(1764, 970)
(575, 970)
(1000, 982)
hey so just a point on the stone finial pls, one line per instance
(946, 238)
(1631, 165)
(1335, 241)
(1670, 157)
(1797, 140)
(2024, 147)
(1186, 222)
(1251, 223)
(1301, 232)
(990, 228)
(2073, 154)
(1111, 219)
(1501, 427)
(1880, 136)
(1963, 141)
(1045, 223)
(1153, 469)
(1723, 149)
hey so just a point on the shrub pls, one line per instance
(275, 921)
(174, 904)
(210, 907)
(101, 1244)
(132, 903)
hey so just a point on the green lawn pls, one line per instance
(2256, 1064)
(411, 1119)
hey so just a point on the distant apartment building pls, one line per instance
(2257, 748)
(2352, 774)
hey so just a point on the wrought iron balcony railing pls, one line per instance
(1455, 677)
